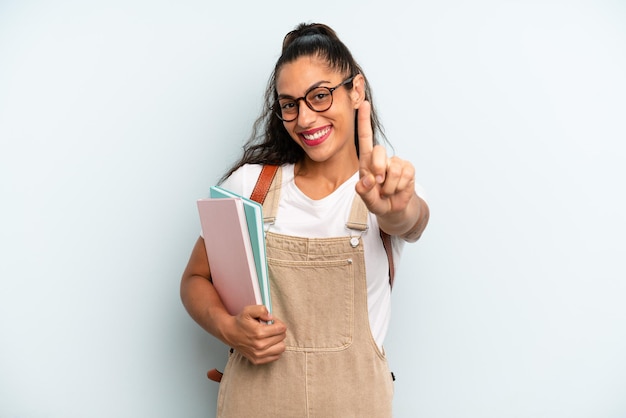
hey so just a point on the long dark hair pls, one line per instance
(270, 142)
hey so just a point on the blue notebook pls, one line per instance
(254, 220)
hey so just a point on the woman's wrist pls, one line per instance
(408, 224)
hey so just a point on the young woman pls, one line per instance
(339, 210)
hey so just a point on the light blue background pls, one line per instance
(115, 116)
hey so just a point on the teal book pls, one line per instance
(254, 220)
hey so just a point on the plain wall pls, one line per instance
(115, 116)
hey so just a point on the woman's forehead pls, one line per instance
(302, 73)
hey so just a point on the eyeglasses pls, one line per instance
(318, 99)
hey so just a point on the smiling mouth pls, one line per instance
(314, 138)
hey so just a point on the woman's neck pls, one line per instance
(319, 179)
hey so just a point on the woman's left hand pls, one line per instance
(387, 185)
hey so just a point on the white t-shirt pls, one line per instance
(299, 215)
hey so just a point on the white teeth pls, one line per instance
(316, 135)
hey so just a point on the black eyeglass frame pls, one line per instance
(277, 108)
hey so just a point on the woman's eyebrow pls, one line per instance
(287, 96)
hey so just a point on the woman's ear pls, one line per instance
(357, 93)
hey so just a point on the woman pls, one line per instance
(337, 198)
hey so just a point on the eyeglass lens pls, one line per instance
(319, 99)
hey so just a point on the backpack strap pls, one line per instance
(263, 183)
(387, 244)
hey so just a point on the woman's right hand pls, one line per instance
(247, 332)
(256, 339)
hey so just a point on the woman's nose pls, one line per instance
(305, 114)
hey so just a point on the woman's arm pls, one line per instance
(257, 341)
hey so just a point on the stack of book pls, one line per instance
(232, 227)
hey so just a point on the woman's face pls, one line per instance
(322, 135)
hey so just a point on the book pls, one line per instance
(229, 251)
(254, 220)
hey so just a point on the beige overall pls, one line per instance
(332, 366)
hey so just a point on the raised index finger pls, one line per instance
(366, 136)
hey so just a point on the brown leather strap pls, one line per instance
(215, 375)
(387, 244)
(263, 183)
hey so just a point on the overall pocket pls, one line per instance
(316, 301)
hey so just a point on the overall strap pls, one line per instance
(358, 221)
